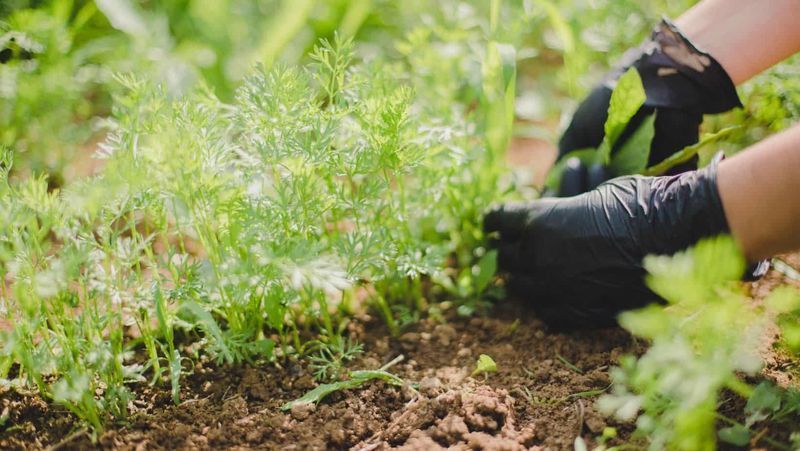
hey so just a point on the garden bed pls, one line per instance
(541, 395)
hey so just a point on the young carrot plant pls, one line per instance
(251, 225)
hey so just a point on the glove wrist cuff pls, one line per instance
(677, 74)
(698, 199)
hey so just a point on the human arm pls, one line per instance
(760, 192)
(688, 70)
(746, 37)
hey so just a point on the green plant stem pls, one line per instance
(740, 388)
(687, 153)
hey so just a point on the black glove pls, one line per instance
(578, 260)
(681, 83)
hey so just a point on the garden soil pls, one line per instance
(537, 397)
(541, 397)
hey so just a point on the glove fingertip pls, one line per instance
(573, 180)
(597, 174)
(493, 219)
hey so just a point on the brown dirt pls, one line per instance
(531, 400)
(533, 155)
(541, 396)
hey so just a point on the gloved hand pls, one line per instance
(681, 83)
(578, 260)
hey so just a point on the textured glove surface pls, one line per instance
(578, 260)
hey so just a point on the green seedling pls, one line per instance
(5, 415)
(355, 380)
(568, 364)
(330, 359)
(484, 365)
(766, 402)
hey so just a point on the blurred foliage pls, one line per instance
(59, 57)
(60, 54)
(706, 336)
(258, 183)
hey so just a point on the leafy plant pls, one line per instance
(46, 82)
(766, 402)
(249, 225)
(701, 341)
(785, 303)
(330, 359)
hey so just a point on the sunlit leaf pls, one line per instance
(626, 99)
(735, 435)
(487, 266)
(632, 157)
(764, 401)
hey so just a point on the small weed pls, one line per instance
(330, 359)
(355, 379)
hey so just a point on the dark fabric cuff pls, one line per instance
(676, 74)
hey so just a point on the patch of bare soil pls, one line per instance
(533, 155)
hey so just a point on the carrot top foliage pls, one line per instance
(240, 224)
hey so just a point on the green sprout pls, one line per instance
(484, 365)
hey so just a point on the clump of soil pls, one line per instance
(471, 416)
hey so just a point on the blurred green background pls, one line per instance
(59, 57)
